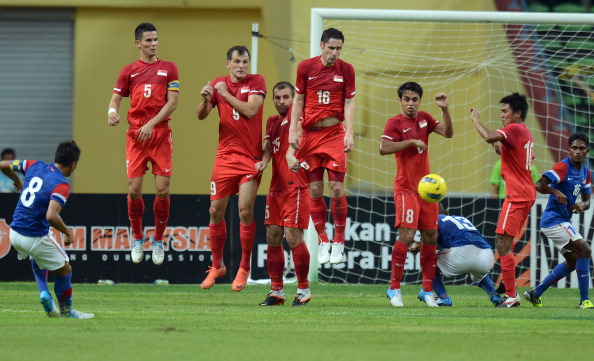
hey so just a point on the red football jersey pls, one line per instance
(325, 89)
(237, 134)
(516, 161)
(147, 86)
(277, 132)
(412, 163)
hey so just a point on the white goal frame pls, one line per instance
(318, 15)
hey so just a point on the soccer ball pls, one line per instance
(432, 188)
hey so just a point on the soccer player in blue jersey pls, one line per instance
(463, 250)
(43, 195)
(564, 182)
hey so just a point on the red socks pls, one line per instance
(161, 210)
(135, 213)
(338, 208)
(428, 259)
(508, 271)
(246, 237)
(301, 263)
(217, 234)
(318, 212)
(275, 262)
(399, 253)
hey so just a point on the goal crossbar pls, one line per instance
(504, 17)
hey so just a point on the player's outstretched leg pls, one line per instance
(135, 213)
(63, 290)
(161, 211)
(48, 304)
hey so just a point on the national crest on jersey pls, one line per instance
(572, 183)
(43, 182)
(147, 85)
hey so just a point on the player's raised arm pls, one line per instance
(248, 109)
(445, 129)
(5, 167)
(205, 106)
(490, 136)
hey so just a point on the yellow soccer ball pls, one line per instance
(432, 188)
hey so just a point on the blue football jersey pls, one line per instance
(43, 182)
(569, 181)
(456, 231)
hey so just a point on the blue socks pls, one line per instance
(582, 268)
(487, 284)
(40, 276)
(438, 286)
(63, 290)
(558, 272)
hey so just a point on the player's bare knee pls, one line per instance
(246, 215)
(64, 270)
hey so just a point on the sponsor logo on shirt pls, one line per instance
(405, 130)
(311, 77)
(338, 78)
(162, 72)
(133, 75)
(423, 124)
(245, 89)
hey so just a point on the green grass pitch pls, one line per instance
(342, 322)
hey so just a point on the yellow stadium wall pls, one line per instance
(196, 35)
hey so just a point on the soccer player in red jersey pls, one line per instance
(407, 136)
(239, 98)
(325, 95)
(153, 87)
(287, 204)
(515, 144)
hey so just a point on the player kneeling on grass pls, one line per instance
(564, 182)
(463, 250)
(287, 202)
(45, 192)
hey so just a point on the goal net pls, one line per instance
(476, 58)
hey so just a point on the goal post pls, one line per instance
(476, 58)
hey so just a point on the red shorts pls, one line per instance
(288, 208)
(158, 150)
(512, 217)
(229, 172)
(413, 212)
(324, 147)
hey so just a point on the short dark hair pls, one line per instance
(331, 33)
(578, 136)
(6, 151)
(143, 28)
(284, 85)
(517, 102)
(410, 86)
(67, 153)
(240, 49)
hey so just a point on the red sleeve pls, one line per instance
(122, 85)
(510, 134)
(213, 98)
(391, 131)
(258, 86)
(431, 122)
(268, 127)
(61, 193)
(301, 80)
(560, 170)
(349, 88)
